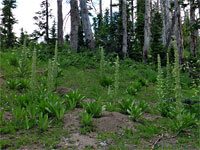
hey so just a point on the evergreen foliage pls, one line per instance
(136, 53)
(8, 38)
(41, 22)
(156, 38)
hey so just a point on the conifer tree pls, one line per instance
(8, 20)
(42, 21)
(156, 37)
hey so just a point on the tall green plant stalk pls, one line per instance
(50, 80)
(116, 75)
(177, 77)
(55, 63)
(23, 66)
(33, 75)
(168, 79)
(160, 90)
(102, 62)
(24, 53)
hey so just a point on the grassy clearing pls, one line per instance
(136, 82)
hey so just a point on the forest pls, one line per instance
(124, 78)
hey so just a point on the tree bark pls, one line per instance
(47, 22)
(75, 21)
(146, 31)
(166, 17)
(60, 23)
(124, 24)
(132, 14)
(157, 5)
(179, 32)
(194, 32)
(169, 35)
(111, 12)
(86, 25)
(100, 7)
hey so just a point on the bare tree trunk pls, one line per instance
(75, 21)
(157, 5)
(178, 32)
(86, 25)
(194, 33)
(100, 7)
(169, 35)
(47, 22)
(146, 31)
(124, 24)
(60, 23)
(132, 14)
(166, 17)
(111, 12)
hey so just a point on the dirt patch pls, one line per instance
(148, 116)
(1, 75)
(71, 120)
(62, 91)
(112, 122)
(7, 115)
(79, 141)
(41, 71)
(109, 122)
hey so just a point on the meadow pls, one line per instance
(91, 100)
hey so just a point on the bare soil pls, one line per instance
(109, 122)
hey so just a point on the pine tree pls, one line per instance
(156, 38)
(42, 21)
(8, 20)
(136, 53)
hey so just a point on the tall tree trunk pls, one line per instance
(179, 32)
(146, 31)
(47, 22)
(166, 17)
(111, 12)
(75, 21)
(60, 23)
(100, 7)
(86, 25)
(169, 35)
(132, 14)
(124, 24)
(157, 5)
(194, 32)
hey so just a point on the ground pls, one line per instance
(113, 130)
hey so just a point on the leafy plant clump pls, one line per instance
(86, 122)
(135, 112)
(106, 81)
(136, 86)
(18, 84)
(74, 99)
(94, 108)
(183, 121)
(125, 104)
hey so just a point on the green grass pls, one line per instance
(86, 79)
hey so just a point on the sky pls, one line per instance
(26, 9)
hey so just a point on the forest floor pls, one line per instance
(113, 130)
